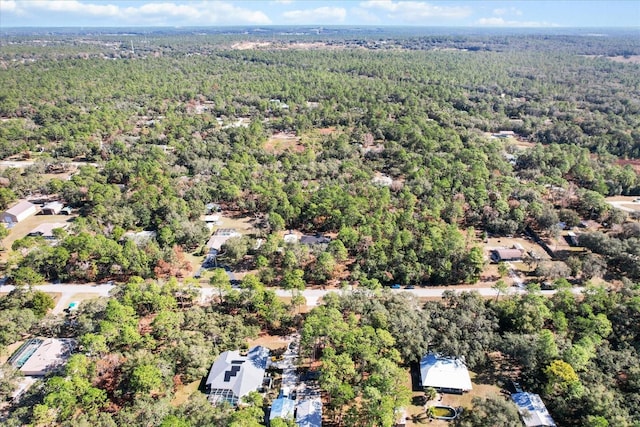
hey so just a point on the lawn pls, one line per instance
(183, 392)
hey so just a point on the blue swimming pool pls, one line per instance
(26, 350)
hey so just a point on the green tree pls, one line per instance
(220, 281)
(490, 411)
(144, 379)
(41, 303)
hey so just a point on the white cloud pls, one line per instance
(150, 13)
(321, 15)
(282, 1)
(8, 6)
(507, 11)
(501, 22)
(74, 6)
(363, 15)
(416, 10)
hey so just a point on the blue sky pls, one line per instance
(470, 13)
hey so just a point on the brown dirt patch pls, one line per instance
(634, 163)
(327, 131)
(632, 59)
(272, 342)
(283, 141)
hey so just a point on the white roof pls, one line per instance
(211, 218)
(238, 373)
(532, 410)
(56, 206)
(221, 236)
(20, 207)
(444, 372)
(291, 238)
(309, 413)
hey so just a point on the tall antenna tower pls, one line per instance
(133, 52)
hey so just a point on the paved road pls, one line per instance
(621, 205)
(26, 163)
(68, 291)
(313, 296)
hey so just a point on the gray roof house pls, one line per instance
(234, 375)
(317, 239)
(532, 410)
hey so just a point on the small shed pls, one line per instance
(19, 212)
(572, 238)
(52, 208)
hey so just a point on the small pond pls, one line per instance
(444, 413)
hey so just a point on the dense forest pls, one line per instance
(383, 140)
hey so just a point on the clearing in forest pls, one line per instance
(283, 141)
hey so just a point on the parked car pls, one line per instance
(395, 286)
(409, 287)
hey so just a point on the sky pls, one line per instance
(452, 13)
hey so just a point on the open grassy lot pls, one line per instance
(22, 228)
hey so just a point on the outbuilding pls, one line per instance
(19, 212)
(499, 255)
(52, 208)
(532, 410)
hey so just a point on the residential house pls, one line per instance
(46, 230)
(504, 134)
(317, 239)
(19, 212)
(220, 237)
(532, 410)
(234, 375)
(445, 374)
(41, 356)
